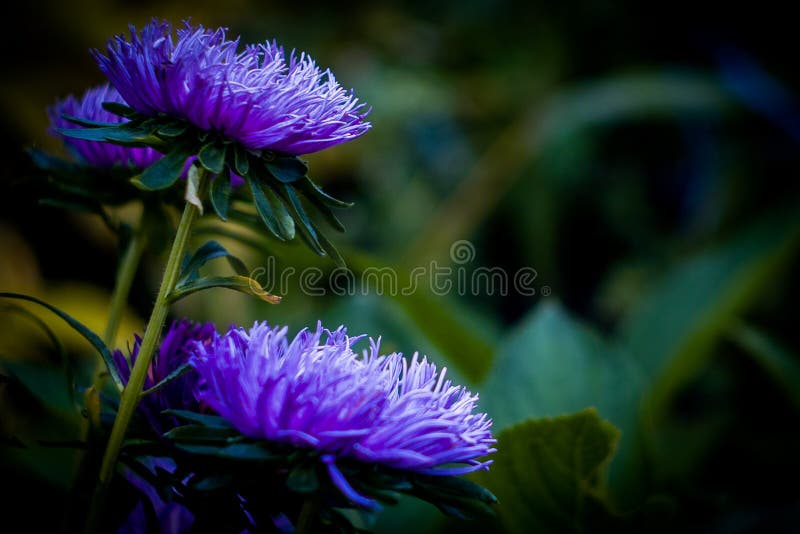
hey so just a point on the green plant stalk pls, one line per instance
(132, 392)
(308, 516)
(122, 286)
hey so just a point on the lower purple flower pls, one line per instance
(173, 352)
(92, 153)
(315, 392)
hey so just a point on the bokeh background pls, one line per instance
(641, 158)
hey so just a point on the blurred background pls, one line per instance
(640, 158)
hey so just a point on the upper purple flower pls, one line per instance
(256, 96)
(318, 393)
(174, 351)
(93, 153)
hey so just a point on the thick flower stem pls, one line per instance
(132, 392)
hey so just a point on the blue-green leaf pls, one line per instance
(287, 169)
(165, 171)
(221, 194)
(212, 156)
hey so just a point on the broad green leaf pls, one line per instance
(242, 284)
(675, 326)
(212, 157)
(548, 473)
(550, 365)
(165, 171)
(87, 334)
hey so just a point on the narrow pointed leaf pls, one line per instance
(119, 109)
(282, 216)
(213, 421)
(311, 189)
(180, 371)
(173, 129)
(288, 170)
(240, 160)
(79, 327)
(221, 194)
(264, 209)
(209, 251)
(239, 283)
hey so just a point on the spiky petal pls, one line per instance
(257, 96)
(315, 392)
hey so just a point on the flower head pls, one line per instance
(315, 392)
(256, 96)
(174, 351)
(93, 153)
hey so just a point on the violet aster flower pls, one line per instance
(256, 96)
(93, 153)
(173, 352)
(315, 392)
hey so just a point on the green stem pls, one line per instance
(308, 516)
(122, 287)
(132, 392)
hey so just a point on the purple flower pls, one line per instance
(256, 96)
(93, 153)
(171, 517)
(173, 352)
(319, 394)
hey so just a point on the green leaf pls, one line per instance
(287, 169)
(674, 327)
(547, 473)
(79, 327)
(89, 123)
(264, 208)
(212, 157)
(552, 364)
(46, 383)
(236, 451)
(778, 362)
(240, 160)
(166, 171)
(201, 433)
(210, 250)
(213, 421)
(124, 134)
(242, 284)
(303, 479)
(221, 194)
(180, 371)
(172, 129)
(313, 191)
(119, 109)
